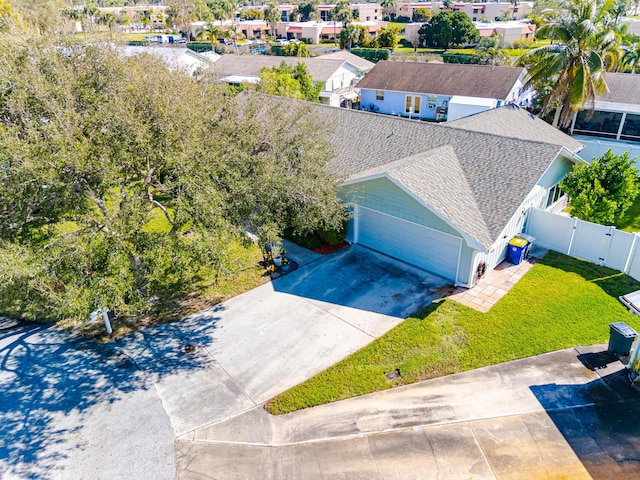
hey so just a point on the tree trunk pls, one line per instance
(556, 117)
(138, 273)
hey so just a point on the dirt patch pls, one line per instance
(326, 249)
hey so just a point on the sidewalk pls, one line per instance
(542, 417)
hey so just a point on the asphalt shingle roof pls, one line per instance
(523, 125)
(486, 176)
(623, 88)
(476, 180)
(443, 79)
(360, 63)
(252, 65)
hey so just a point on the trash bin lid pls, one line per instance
(528, 238)
(623, 329)
(518, 242)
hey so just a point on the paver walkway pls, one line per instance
(495, 284)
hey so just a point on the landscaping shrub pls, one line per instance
(463, 58)
(372, 54)
(309, 240)
(334, 236)
(199, 47)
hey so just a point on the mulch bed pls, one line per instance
(326, 249)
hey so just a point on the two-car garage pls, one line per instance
(425, 247)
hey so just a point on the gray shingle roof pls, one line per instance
(512, 121)
(320, 70)
(427, 176)
(623, 88)
(443, 79)
(495, 172)
(475, 180)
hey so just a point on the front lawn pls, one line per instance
(559, 303)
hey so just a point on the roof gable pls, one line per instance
(434, 178)
(449, 169)
(443, 79)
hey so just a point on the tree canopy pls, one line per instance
(448, 28)
(122, 181)
(289, 81)
(603, 190)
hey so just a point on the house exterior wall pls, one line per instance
(596, 147)
(342, 78)
(384, 196)
(432, 107)
(490, 10)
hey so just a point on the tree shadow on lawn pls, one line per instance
(613, 282)
(50, 378)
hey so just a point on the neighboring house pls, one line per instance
(319, 31)
(509, 32)
(615, 122)
(476, 11)
(335, 76)
(446, 197)
(439, 92)
(177, 58)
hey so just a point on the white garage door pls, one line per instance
(424, 247)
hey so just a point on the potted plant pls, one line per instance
(285, 264)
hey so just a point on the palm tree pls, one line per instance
(631, 57)
(211, 33)
(575, 62)
(389, 8)
(490, 52)
(271, 16)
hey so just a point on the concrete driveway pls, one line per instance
(269, 339)
(73, 409)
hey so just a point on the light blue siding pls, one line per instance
(394, 104)
(556, 172)
(384, 196)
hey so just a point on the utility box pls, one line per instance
(621, 337)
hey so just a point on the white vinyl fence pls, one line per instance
(596, 243)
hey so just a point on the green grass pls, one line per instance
(630, 221)
(399, 25)
(559, 303)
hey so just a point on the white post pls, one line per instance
(107, 323)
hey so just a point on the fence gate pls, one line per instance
(596, 243)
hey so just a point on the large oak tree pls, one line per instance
(121, 180)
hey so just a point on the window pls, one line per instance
(601, 124)
(555, 193)
(379, 95)
(631, 128)
(515, 10)
(412, 104)
(474, 19)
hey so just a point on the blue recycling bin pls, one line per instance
(517, 250)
